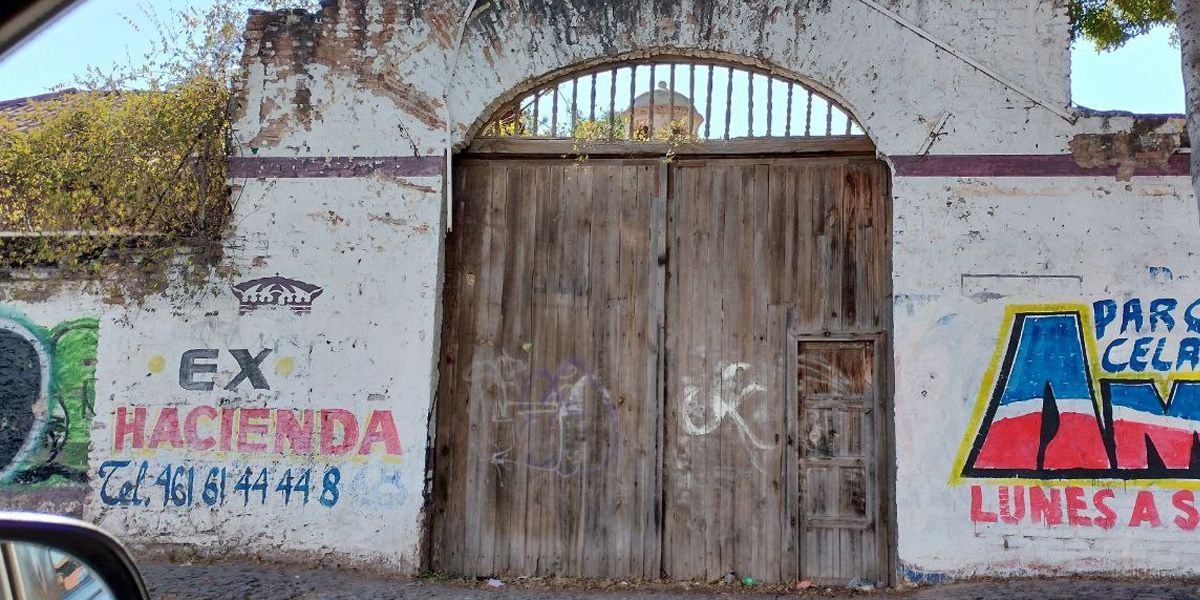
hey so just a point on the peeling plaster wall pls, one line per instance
(382, 68)
(1037, 243)
(341, 131)
(167, 462)
(363, 352)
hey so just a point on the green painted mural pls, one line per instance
(47, 401)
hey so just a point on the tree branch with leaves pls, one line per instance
(136, 158)
(1109, 24)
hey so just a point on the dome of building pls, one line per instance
(670, 113)
(662, 96)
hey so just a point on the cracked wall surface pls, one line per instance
(1008, 206)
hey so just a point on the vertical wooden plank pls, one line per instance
(683, 305)
(650, 455)
(450, 465)
(440, 548)
(491, 320)
(672, 476)
(531, 190)
(831, 250)
(808, 227)
(543, 363)
(735, 450)
(731, 333)
(507, 500)
(471, 480)
(592, 354)
(637, 269)
(774, 231)
(617, 188)
(668, 446)
(691, 490)
(480, 517)
(767, 343)
(603, 184)
(791, 524)
(518, 311)
(866, 204)
(591, 430)
(560, 460)
(882, 257)
(712, 477)
(851, 205)
(603, 300)
(703, 475)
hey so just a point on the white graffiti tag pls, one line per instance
(702, 415)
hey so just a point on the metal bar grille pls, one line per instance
(728, 102)
(636, 107)
(787, 128)
(708, 104)
(691, 125)
(633, 97)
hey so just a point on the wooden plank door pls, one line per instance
(546, 457)
(725, 373)
(839, 416)
(619, 389)
(762, 250)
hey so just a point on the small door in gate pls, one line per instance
(839, 417)
(763, 252)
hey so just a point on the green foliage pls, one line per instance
(186, 43)
(606, 126)
(91, 170)
(137, 159)
(1111, 23)
(616, 127)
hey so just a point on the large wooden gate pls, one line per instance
(655, 368)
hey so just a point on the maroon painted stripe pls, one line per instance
(279, 167)
(1022, 165)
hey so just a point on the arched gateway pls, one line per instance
(665, 348)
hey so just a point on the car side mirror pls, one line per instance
(57, 558)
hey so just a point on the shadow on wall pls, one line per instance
(47, 402)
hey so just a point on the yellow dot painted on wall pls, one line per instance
(156, 364)
(285, 366)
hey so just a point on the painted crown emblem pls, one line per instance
(276, 292)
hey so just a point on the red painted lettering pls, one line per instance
(135, 428)
(1012, 504)
(1075, 504)
(226, 433)
(166, 429)
(330, 419)
(1045, 508)
(1185, 501)
(191, 428)
(381, 428)
(978, 515)
(248, 426)
(296, 434)
(1144, 510)
(1108, 517)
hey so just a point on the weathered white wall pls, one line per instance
(365, 348)
(1113, 240)
(371, 79)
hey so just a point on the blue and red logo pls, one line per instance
(1055, 407)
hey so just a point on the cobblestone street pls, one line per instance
(235, 581)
